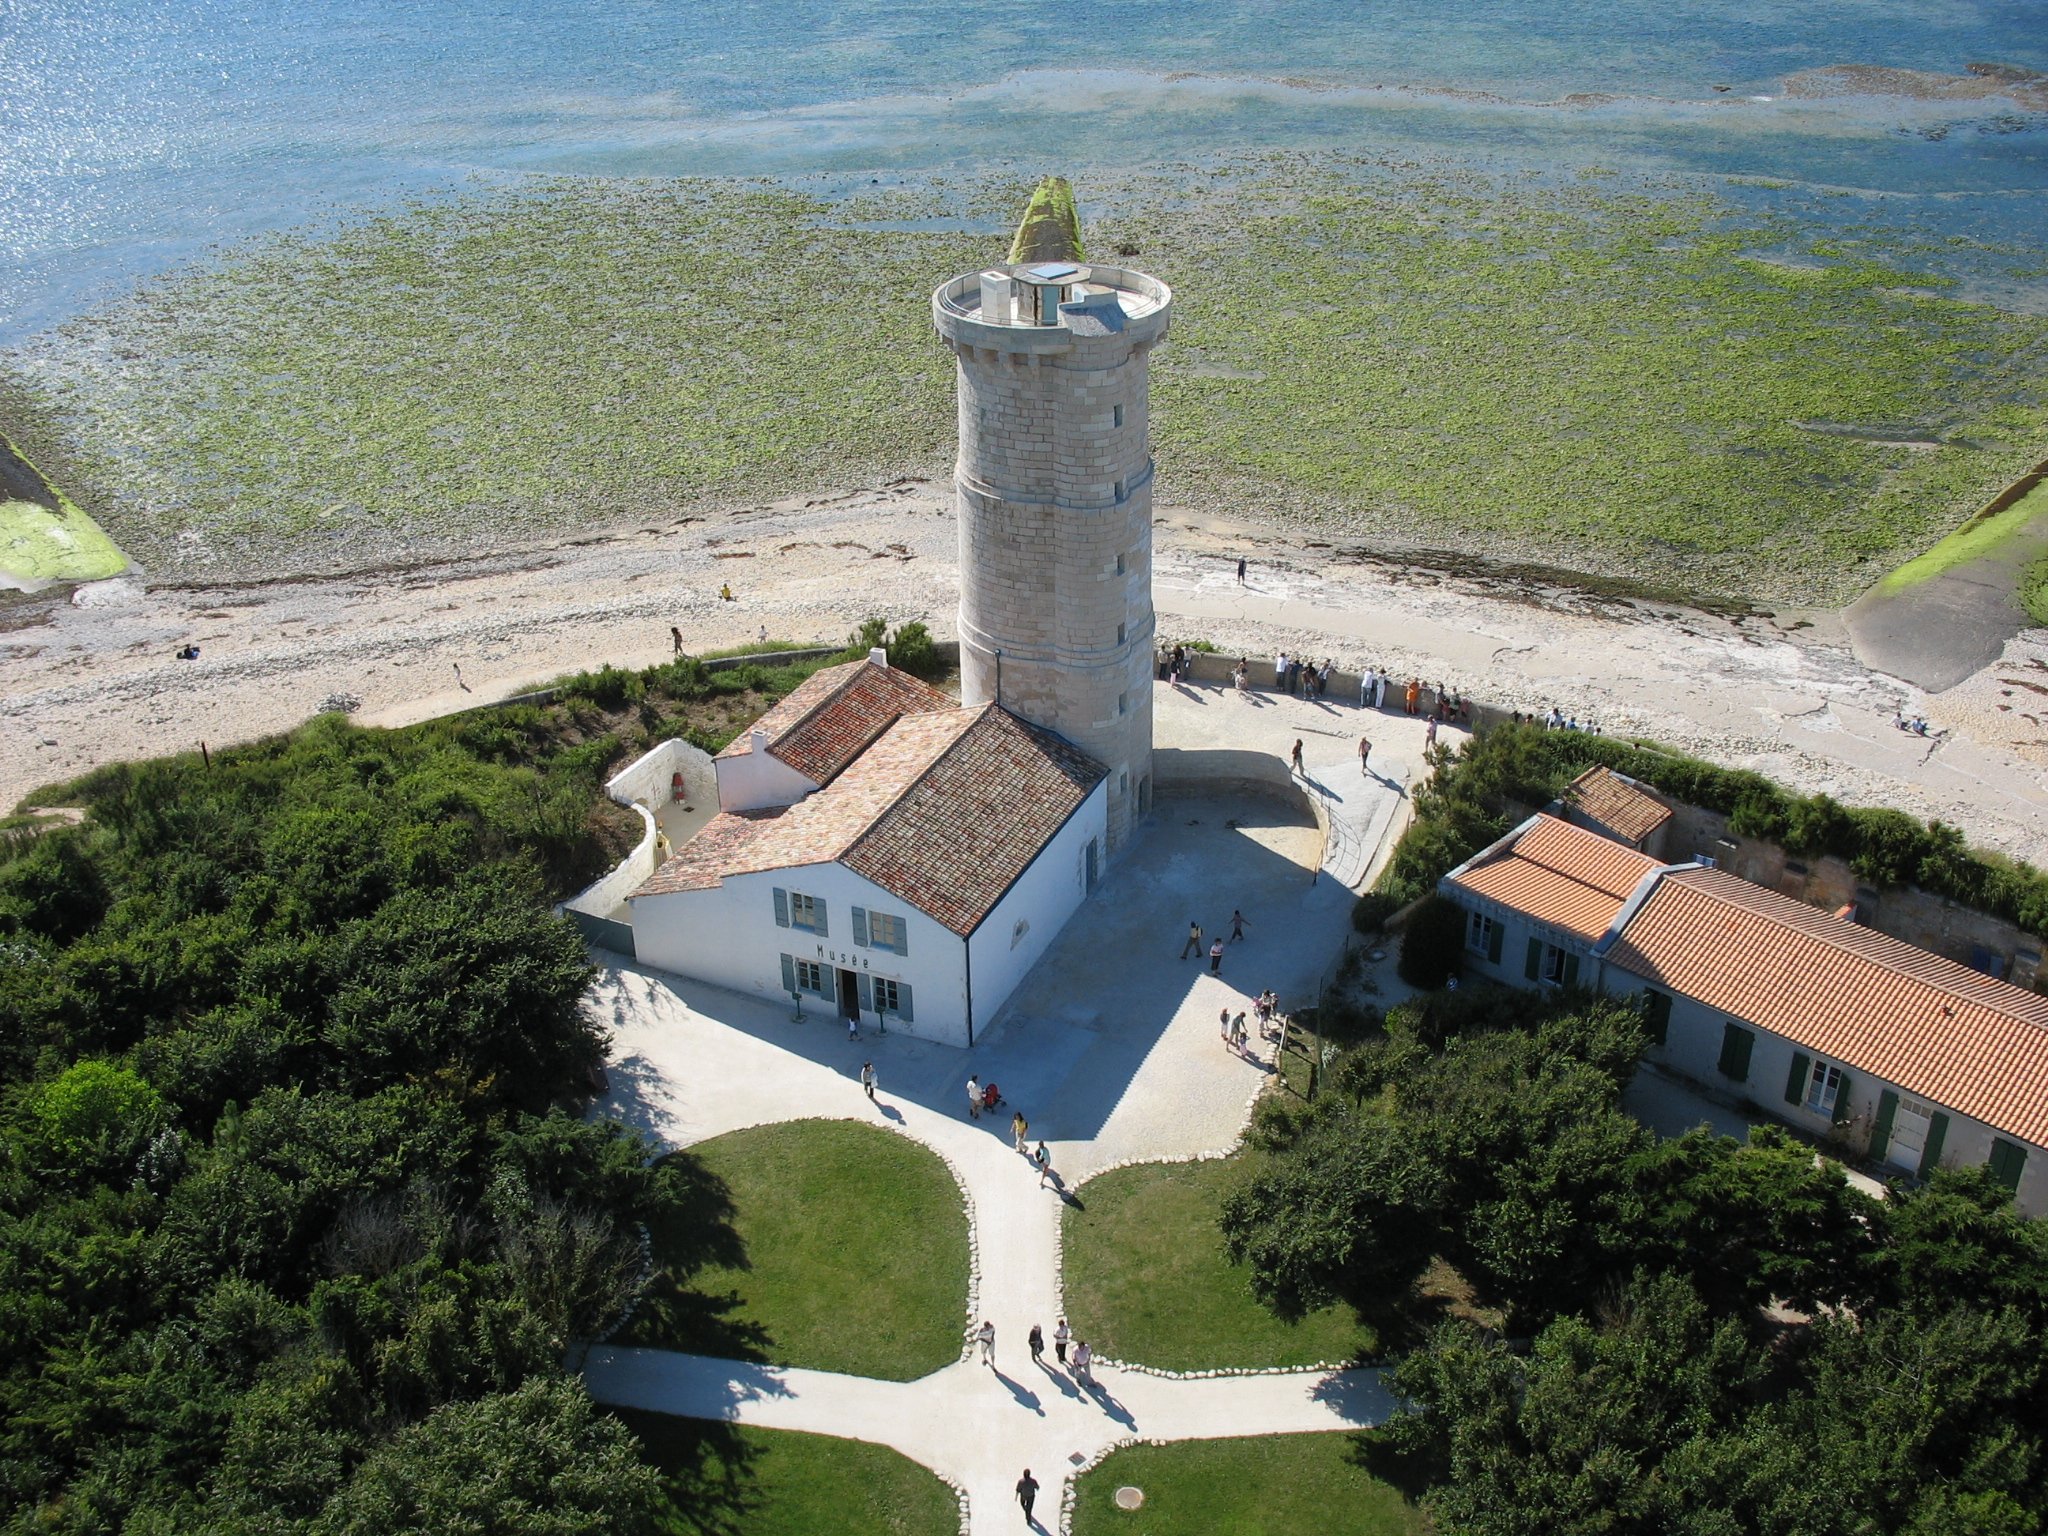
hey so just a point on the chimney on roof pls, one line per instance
(757, 740)
(878, 657)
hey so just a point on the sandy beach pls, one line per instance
(92, 677)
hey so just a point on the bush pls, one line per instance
(1433, 945)
(1370, 912)
(913, 649)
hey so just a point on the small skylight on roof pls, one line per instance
(1051, 271)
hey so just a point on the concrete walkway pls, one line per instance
(1110, 1048)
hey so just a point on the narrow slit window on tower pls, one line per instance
(1121, 630)
(1116, 415)
(1119, 490)
(1119, 565)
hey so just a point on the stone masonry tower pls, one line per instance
(1055, 493)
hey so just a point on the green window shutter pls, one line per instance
(2008, 1162)
(1881, 1131)
(1795, 1085)
(1494, 938)
(1937, 1132)
(1842, 1099)
(788, 970)
(860, 926)
(1534, 968)
(1736, 1043)
(1571, 970)
(867, 993)
(818, 906)
(903, 1003)
(1657, 1016)
(781, 907)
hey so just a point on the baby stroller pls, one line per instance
(991, 1097)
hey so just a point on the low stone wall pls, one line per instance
(641, 785)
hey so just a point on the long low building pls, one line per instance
(1897, 1056)
(881, 853)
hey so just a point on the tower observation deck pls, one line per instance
(1054, 485)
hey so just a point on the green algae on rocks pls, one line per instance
(1636, 381)
(46, 537)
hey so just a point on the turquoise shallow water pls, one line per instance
(135, 134)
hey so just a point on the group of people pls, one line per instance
(1195, 936)
(1236, 1036)
(1080, 1363)
(1556, 720)
(1303, 679)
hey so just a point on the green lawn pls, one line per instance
(1275, 1485)
(1146, 1279)
(764, 1482)
(855, 1254)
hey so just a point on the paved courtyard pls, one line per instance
(1109, 1047)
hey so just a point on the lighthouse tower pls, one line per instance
(1054, 484)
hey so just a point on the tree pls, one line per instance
(96, 1116)
(540, 1461)
(1349, 1212)
(1433, 943)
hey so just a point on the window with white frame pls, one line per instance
(886, 931)
(810, 976)
(888, 996)
(1479, 933)
(1823, 1088)
(803, 911)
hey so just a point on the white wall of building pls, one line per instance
(757, 779)
(647, 780)
(728, 936)
(1692, 1049)
(1032, 912)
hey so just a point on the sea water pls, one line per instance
(137, 134)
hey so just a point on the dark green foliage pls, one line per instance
(1473, 797)
(1370, 912)
(910, 648)
(294, 1229)
(1433, 944)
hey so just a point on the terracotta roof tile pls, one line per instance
(1561, 875)
(703, 861)
(960, 837)
(1935, 1029)
(1601, 795)
(945, 810)
(835, 712)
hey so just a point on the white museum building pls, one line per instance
(882, 853)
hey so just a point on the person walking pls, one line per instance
(852, 1027)
(867, 1080)
(973, 1097)
(1036, 1340)
(1280, 671)
(987, 1336)
(675, 638)
(1238, 1034)
(1429, 733)
(1060, 1336)
(1027, 1494)
(1043, 1158)
(1295, 756)
(1240, 570)
(1237, 921)
(1216, 958)
(1223, 1024)
(1364, 755)
(1194, 943)
(1020, 1130)
(1084, 1358)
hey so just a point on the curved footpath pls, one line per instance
(1110, 1069)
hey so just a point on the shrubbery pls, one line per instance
(1462, 809)
(296, 1232)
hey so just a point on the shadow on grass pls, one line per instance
(1410, 1473)
(707, 1471)
(692, 1232)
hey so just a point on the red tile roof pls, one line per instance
(1561, 875)
(1606, 798)
(945, 810)
(1935, 1029)
(963, 833)
(834, 713)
